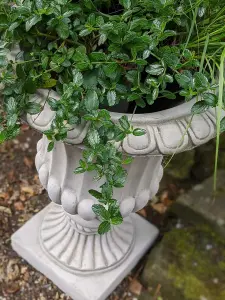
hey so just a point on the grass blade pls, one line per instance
(218, 116)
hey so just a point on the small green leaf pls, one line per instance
(77, 78)
(111, 97)
(104, 227)
(85, 32)
(33, 21)
(51, 146)
(91, 100)
(91, 19)
(3, 136)
(199, 107)
(140, 102)
(155, 93)
(68, 13)
(63, 30)
(114, 209)
(168, 95)
(49, 83)
(80, 55)
(39, 4)
(170, 58)
(82, 164)
(155, 69)
(3, 61)
(89, 117)
(141, 62)
(117, 220)
(33, 108)
(210, 99)
(104, 114)
(100, 21)
(102, 39)
(12, 119)
(100, 211)
(187, 54)
(152, 81)
(185, 93)
(11, 105)
(53, 103)
(149, 99)
(110, 69)
(96, 194)
(133, 97)
(98, 56)
(120, 177)
(168, 78)
(126, 3)
(200, 81)
(183, 80)
(139, 131)
(132, 76)
(93, 137)
(107, 191)
(120, 137)
(79, 170)
(124, 123)
(14, 26)
(201, 11)
(146, 54)
(44, 62)
(128, 160)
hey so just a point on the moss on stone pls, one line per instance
(188, 264)
(180, 165)
(197, 261)
(192, 287)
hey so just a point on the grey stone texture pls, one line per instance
(188, 264)
(202, 200)
(180, 165)
(91, 287)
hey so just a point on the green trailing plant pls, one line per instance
(96, 54)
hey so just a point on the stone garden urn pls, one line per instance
(62, 240)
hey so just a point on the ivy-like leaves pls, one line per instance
(96, 60)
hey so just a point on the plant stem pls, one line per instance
(52, 37)
(204, 53)
(47, 71)
(24, 62)
(218, 113)
(192, 27)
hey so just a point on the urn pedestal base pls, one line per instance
(26, 242)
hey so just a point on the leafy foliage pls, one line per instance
(96, 54)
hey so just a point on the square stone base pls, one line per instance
(95, 287)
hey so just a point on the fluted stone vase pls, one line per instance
(62, 240)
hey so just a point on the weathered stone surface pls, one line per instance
(205, 159)
(198, 163)
(202, 201)
(96, 286)
(188, 264)
(181, 164)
